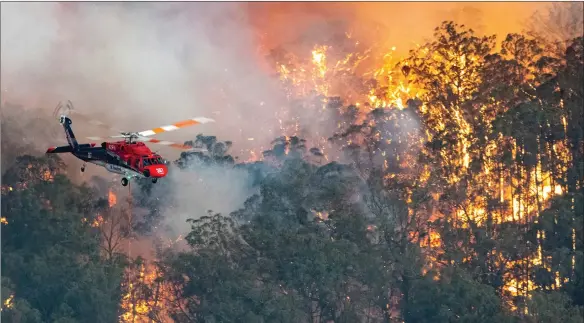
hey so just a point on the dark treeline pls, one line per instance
(465, 206)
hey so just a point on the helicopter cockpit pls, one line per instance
(155, 160)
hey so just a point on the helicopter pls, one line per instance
(129, 157)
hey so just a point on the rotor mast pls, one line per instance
(131, 138)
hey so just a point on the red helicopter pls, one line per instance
(129, 157)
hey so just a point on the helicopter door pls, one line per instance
(135, 163)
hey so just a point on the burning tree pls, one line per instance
(458, 186)
(444, 186)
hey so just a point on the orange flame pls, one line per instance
(112, 198)
(320, 72)
(139, 305)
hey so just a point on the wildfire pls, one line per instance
(8, 303)
(146, 296)
(97, 222)
(326, 77)
(6, 189)
(321, 215)
(521, 197)
(112, 198)
(319, 59)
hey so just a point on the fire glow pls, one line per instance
(316, 73)
(112, 198)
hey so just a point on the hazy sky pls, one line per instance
(400, 24)
(143, 65)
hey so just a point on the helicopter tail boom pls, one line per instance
(60, 150)
(66, 122)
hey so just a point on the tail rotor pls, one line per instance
(63, 110)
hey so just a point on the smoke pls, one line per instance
(562, 22)
(140, 66)
(213, 188)
(143, 65)
(400, 24)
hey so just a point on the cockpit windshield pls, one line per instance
(152, 161)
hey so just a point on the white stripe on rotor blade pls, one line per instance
(169, 128)
(147, 133)
(94, 138)
(203, 120)
(165, 143)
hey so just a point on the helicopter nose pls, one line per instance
(158, 171)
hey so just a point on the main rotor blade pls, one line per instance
(154, 141)
(108, 137)
(168, 143)
(175, 126)
(68, 109)
(97, 138)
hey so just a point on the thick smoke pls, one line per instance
(140, 66)
(213, 188)
(400, 24)
(143, 65)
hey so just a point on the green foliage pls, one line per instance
(217, 152)
(218, 284)
(554, 307)
(19, 309)
(454, 297)
(50, 252)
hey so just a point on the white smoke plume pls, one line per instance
(211, 188)
(143, 65)
(140, 66)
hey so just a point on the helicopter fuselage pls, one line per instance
(122, 157)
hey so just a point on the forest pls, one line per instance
(446, 186)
